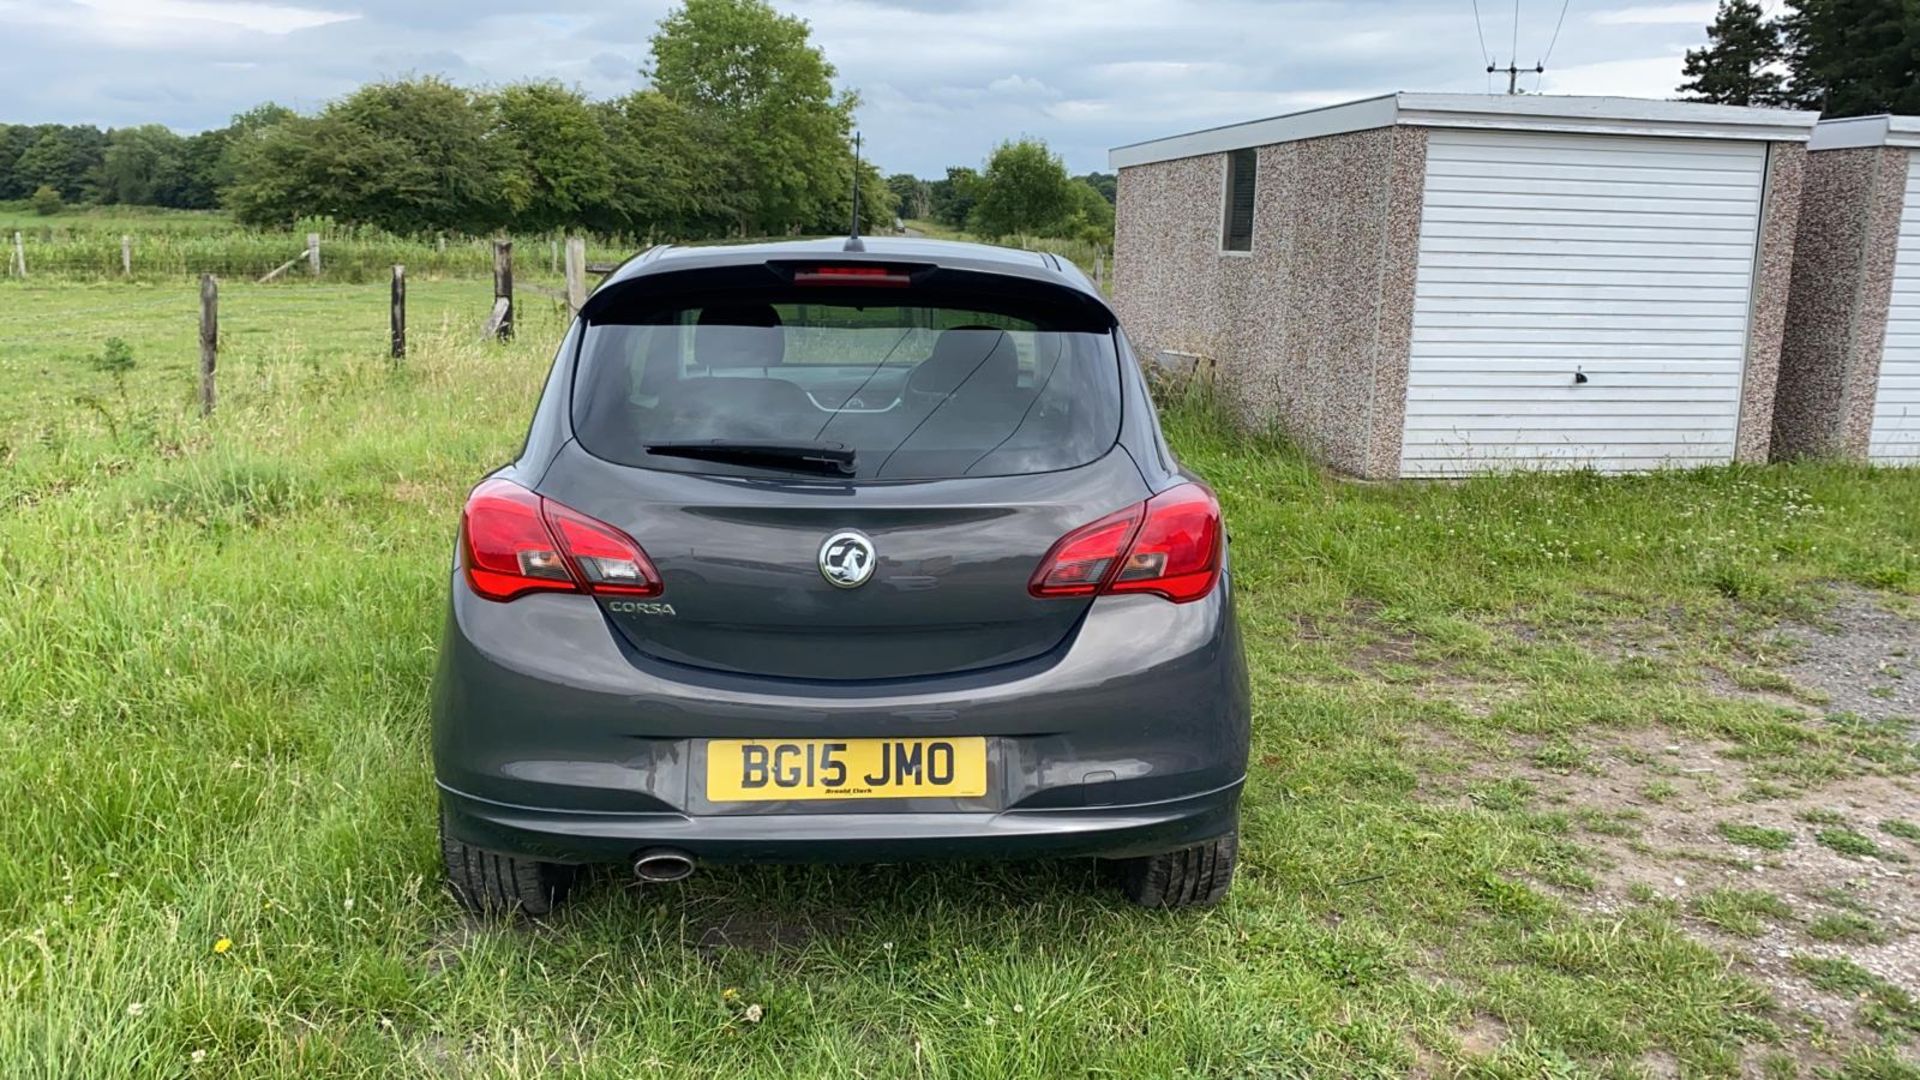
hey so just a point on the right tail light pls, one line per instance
(1168, 546)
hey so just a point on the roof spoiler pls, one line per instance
(852, 277)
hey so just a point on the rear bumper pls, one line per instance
(554, 739)
(1108, 831)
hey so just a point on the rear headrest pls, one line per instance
(739, 336)
(979, 357)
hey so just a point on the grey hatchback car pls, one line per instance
(823, 554)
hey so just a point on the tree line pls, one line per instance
(740, 132)
(1023, 190)
(1838, 57)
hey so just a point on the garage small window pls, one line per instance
(1237, 235)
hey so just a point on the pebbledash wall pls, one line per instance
(1850, 375)
(1439, 284)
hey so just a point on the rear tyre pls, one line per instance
(492, 884)
(1190, 877)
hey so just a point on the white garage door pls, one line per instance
(1896, 413)
(1548, 259)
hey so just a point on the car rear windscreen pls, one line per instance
(915, 391)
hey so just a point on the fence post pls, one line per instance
(553, 262)
(576, 274)
(397, 317)
(126, 255)
(503, 289)
(209, 339)
(313, 253)
(1100, 271)
(20, 252)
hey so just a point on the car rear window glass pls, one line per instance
(915, 391)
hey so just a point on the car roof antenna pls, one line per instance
(853, 235)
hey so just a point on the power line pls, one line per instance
(1481, 34)
(1513, 51)
(1557, 24)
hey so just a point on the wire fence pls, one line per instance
(72, 254)
(108, 251)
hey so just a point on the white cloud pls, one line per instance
(1652, 76)
(155, 23)
(1019, 86)
(1697, 14)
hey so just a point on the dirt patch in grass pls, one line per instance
(1374, 644)
(1863, 658)
(1781, 859)
(1678, 822)
(1484, 1036)
(757, 929)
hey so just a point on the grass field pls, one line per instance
(55, 333)
(83, 245)
(1079, 252)
(217, 852)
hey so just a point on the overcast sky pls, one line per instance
(941, 80)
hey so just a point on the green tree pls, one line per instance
(911, 193)
(1106, 183)
(1854, 57)
(756, 76)
(210, 157)
(143, 166)
(46, 201)
(1091, 216)
(1740, 63)
(673, 175)
(408, 156)
(951, 199)
(203, 170)
(1023, 190)
(556, 169)
(14, 140)
(66, 159)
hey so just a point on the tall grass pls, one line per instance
(1080, 252)
(84, 246)
(83, 252)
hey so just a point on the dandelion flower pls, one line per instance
(754, 1013)
(222, 945)
(136, 1008)
(729, 994)
(197, 1056)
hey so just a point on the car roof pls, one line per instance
(951, 254)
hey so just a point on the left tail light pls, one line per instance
(515, 542)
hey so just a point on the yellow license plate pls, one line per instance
(744, 770)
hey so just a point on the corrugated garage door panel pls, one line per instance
(1896, 415)
(1629, 260)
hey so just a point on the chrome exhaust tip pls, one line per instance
(660, 866)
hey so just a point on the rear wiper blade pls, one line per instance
(826, 457)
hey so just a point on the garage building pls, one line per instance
(1439, 284)
(1850, 374)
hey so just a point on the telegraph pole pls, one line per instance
(1513, 74)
